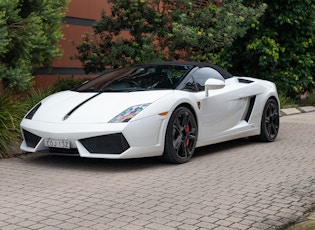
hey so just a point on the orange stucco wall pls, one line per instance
(88, 9)
(72, 34)
(77, 9)
(44, 82)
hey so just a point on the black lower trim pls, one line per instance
(78, 21)
(64, 151)
(66, 71)
(60, 71)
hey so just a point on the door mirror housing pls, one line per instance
(213, 84)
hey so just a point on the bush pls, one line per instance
(308, 100)
(280, 47)
(12, 110)
(311, 99)
(67, 84)
(286, 101)
(10, 113)
(30, 32)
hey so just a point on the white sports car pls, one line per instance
(162, 109)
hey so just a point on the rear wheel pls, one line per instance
(270, 122)
(181, 136)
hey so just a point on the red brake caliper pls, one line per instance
(187, 129)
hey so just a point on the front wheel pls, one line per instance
(270, 122)
(181, 136)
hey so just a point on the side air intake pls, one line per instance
(246, 81)
(250, 108)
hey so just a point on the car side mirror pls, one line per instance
(212, 84)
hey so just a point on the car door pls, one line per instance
(223, 108)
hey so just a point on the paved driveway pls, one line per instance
(235, 185)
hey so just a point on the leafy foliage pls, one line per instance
(150, 30)
(67, 84)
(280, 47)
(9, 127)
(285, 101)
(202, 33)
(29, 35)
(13, 108)
(112, 45)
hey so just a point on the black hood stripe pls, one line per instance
(79, 105)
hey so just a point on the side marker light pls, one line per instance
(163, 114)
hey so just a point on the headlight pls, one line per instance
(129, 113)
(31, 113)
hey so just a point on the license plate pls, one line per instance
(57, 143)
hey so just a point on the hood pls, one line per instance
(83, 107)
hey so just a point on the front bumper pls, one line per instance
(142, 138)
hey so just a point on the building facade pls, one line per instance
(79, 19)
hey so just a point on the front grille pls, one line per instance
(31, 139)
(106, 144)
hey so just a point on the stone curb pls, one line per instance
(291, 111)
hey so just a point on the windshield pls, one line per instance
(146, 77)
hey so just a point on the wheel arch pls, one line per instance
(191, 108)
(275, 98)
(272, 122)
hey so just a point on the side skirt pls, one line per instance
(247, 133)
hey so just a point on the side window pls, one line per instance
(203, 74)
(189, 85)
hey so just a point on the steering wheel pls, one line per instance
(169, 78)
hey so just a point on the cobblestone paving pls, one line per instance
(235, 185)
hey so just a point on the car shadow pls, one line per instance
(122, 165)
(91, 164)
(221, 147)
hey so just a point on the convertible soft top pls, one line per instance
(222, 71)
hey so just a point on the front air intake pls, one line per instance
(106, 144)
(31, 139)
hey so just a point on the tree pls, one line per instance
(138, 31)
(203, 32)
(280, 47)
(29, 35)
(134, 32)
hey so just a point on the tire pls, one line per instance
(180, 137)
(270, 122)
